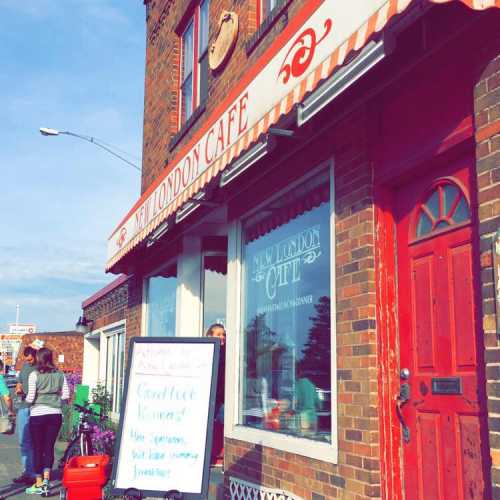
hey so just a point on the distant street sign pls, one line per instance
(9, 347)
(22, 328)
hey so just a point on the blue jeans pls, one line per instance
(24, 437)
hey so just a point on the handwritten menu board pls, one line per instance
(166, 419)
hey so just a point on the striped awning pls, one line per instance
(315, 43)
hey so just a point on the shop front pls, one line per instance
(326, 202)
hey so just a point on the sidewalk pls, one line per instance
(10, 467)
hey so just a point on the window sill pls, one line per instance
(187, 126)
(266, 25)
(325, 452)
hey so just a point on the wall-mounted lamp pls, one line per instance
(198, 200)
(345, 77)
(158, 233)
(84, 325)
(247, 159)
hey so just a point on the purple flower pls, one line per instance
(103, 439)
(73, 379)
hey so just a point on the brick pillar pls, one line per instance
(487, 121)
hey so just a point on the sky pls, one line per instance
(74, 65)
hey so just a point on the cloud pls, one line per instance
(105, 14)
(43, 262)
(74, 65)
(31, 8)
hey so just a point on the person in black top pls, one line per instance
(217, 458)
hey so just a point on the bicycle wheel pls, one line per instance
(73, 450)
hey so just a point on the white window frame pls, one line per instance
(300, 446)
(105, 333)
(198, 50)
(145, 295)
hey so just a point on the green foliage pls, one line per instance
(315, 364)
(101, 396)
(103, 432)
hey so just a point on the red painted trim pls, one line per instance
(179, 76)
(196, 38)
(186, 17)
(388, 354)
(295, 23)
(182, 77)
(103, 291)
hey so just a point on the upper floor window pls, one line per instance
(265, 7)
(194, 67)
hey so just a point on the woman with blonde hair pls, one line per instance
(47, 389)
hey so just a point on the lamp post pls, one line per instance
(50, 132)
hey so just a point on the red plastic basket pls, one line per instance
(85, 477)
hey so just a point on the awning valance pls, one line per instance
(315, 43)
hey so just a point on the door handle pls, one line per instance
(401, 400)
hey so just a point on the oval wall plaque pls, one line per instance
(224, 43)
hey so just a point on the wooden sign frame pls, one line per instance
(211, 410)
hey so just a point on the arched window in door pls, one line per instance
(445, 206)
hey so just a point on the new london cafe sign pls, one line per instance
(315, 42)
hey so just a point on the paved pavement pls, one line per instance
(10, 466)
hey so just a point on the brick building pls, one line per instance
(323, 178)
(104, 322)
(67, 348)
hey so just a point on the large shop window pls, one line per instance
(115, 363)
(214, 289)
(286, 366)
(194, 67)
(161, 302)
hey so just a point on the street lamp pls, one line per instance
(52, 132)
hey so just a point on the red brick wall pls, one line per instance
(134, 308)
(109, 308)
(162, 75)
(358, 470)
(357, 474)
(122, 302)
(487, 118)
(68, 343)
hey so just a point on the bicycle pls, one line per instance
(81, 444)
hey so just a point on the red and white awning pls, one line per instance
(316, 42)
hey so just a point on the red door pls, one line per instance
(446, 445)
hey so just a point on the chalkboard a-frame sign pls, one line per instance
(166, 419)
